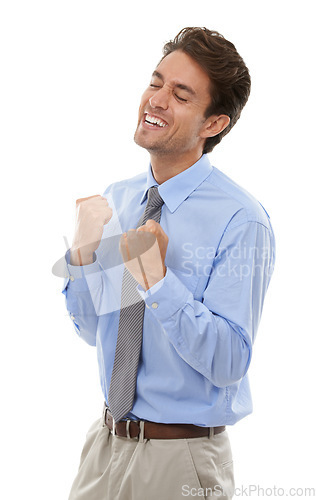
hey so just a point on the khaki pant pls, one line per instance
(115, 468)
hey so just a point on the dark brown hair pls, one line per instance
(229, 76)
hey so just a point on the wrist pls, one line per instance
(80, 258)
(152, 280)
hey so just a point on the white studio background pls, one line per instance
(72, 73)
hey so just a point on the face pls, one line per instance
(171, 113)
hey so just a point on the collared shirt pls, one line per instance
(201, 319)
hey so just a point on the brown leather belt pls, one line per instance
(153, 430)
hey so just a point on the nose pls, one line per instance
(160, 99)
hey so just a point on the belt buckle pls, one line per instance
(141, 431)
(128, 423)
(113, 432)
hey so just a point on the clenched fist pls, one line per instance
(92, 214)
(144, 251)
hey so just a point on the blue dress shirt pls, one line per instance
(201, 319)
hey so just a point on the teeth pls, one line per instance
(154, 120)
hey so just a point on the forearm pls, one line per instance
(82, 314)
(213, 346)
(208, 343)
(82, 289)
(215, 334)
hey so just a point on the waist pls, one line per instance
(154, 430)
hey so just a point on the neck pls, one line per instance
(165, 167)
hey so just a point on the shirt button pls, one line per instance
(71, 278)
(154, 305)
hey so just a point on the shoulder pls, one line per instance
(243, 206)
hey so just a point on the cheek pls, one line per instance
(188, 122)
(143, 102)
(144, 99)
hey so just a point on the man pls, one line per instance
(173, 325)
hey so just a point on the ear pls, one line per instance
(214, 125)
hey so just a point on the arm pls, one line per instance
(83, 287)
(83, 283)
(215, 335)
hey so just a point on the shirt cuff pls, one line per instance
(166, 297)
(82, 278)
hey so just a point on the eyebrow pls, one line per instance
(181, 86)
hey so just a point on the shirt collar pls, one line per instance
(176, 189)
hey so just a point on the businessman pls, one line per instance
(175, 322)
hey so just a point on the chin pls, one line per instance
(141, 141)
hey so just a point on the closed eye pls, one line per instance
(176, 95)
(180, 98)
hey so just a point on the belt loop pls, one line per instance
(142, 431)
(210, 432)
(105, 409)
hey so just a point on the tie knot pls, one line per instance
(154, 198)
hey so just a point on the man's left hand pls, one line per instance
(144, 251)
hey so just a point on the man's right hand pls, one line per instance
(92, 214)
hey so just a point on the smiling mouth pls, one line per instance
(155, 121)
